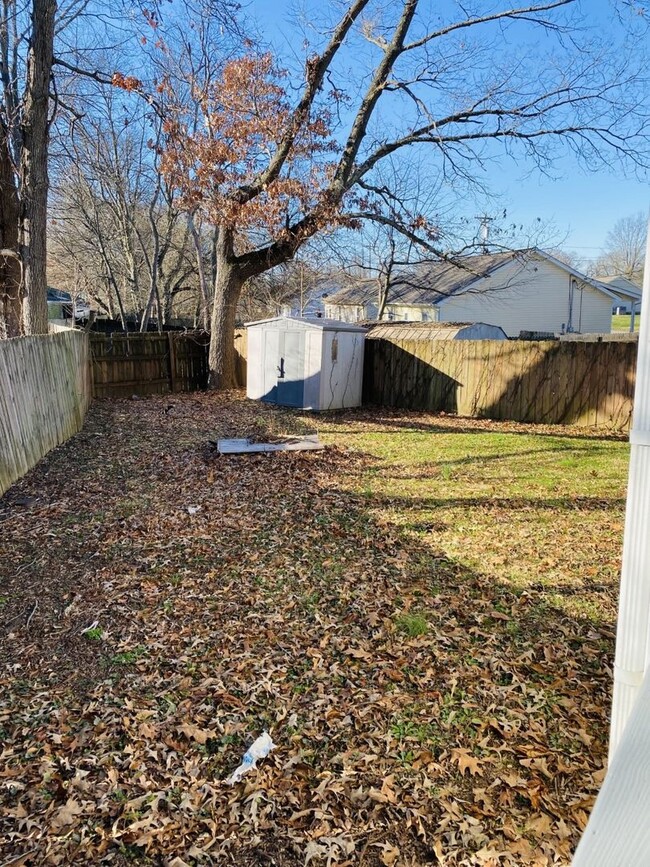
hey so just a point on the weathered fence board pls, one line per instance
(552, 382)
(549, 382)
(44, 394)
(142, 364)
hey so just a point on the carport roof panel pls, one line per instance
(422, 330)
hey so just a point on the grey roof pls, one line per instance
(416, 287)
(622, 286)
(309, 322)
(429, 283)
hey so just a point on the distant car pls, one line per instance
(61, 305)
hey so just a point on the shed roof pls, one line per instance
(310, 322)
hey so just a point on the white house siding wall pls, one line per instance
(397, 312)
(255, 365)
(530, 297)
(596, 312)
(346, 312)
(411, 313)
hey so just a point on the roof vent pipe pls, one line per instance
(484, 233)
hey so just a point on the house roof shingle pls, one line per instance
(428, 283)
(416, 286)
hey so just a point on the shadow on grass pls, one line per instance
(579, 504)
(388, 419)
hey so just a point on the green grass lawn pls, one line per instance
(527, 505)
(622, 323)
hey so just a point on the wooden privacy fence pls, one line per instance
(127, 364)
(44, 395)
(548, 382)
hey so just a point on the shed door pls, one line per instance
(270, 356)
(291, 369)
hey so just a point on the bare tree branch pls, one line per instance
(360, 123)
(520, 13)
(317, 67)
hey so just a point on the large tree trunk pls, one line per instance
(33, 167)
(227, 289)
(10, 267)
(228, 284)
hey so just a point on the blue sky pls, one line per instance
(584, 207)
(581, 206)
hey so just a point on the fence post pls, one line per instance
(172, 361)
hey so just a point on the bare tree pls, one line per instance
(116, 225)
(293, 285)
(10, 263)
(24, 138)
(624, 252)
(570, 257)
(37, 39)
(205, 266)
(393, 249)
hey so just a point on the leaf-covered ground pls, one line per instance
(421, 615)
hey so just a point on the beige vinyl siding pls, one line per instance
(411, 313)
(530, 297)
(395, 312)
(596, 312)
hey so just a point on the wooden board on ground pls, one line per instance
(245, 446)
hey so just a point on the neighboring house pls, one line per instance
(628, 294)
(524, 290)
(312, 303)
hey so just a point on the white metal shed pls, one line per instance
(307, 363)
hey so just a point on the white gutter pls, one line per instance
(632, 644)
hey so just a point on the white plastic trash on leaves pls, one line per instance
(259, 749)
